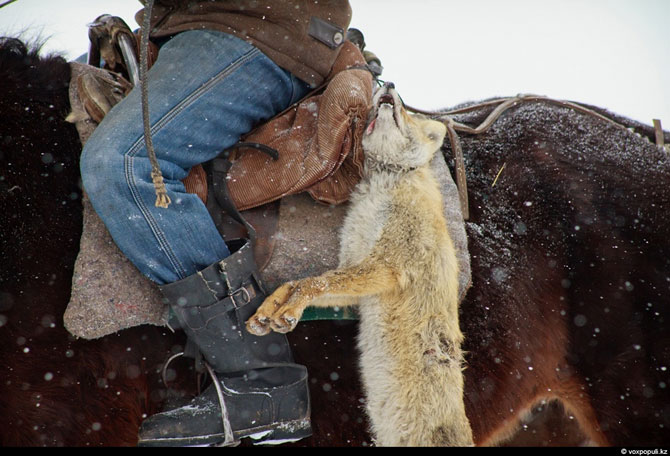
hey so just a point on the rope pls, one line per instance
(162, 198)
(461, 180)
(6, 3)
(502, 105)
(658, 133)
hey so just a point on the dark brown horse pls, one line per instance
(570, 247)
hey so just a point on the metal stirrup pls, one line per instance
(165, 367)
(229, 440)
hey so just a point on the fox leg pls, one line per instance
(281, 311)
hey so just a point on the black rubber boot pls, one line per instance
(257, 389)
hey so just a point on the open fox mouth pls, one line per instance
(385, 99)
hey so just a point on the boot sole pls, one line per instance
(275, 434)
(287, 432)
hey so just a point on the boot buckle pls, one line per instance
(245, 295)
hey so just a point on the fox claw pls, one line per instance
(284, 324)
(258, 326)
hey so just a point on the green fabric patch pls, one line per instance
(310, 314)
(329, 313)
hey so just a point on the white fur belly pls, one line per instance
(362, 227)
(385, 401)
(375, 361)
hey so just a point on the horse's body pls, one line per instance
(569, 253)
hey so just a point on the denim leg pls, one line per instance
(205, 90)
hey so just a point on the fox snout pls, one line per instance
(387, 95)
(385, 99)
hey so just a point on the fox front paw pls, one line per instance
(270, 315)
(258, 325)
(285, 320)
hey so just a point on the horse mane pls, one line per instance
(31, 75)
(39, 150)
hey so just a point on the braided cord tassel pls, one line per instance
(162, 198)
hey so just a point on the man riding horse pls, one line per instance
(223, 68)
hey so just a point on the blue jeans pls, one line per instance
(205, 90)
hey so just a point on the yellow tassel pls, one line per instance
(162, 198)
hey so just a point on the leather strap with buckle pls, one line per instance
(248, 293)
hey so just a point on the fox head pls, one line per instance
(396, 139)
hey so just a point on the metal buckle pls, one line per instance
(247, 297)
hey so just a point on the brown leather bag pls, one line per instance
(318, 140)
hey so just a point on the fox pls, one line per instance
(398, 265)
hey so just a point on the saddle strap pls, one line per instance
(219, 169)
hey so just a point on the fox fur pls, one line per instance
(398, 263)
